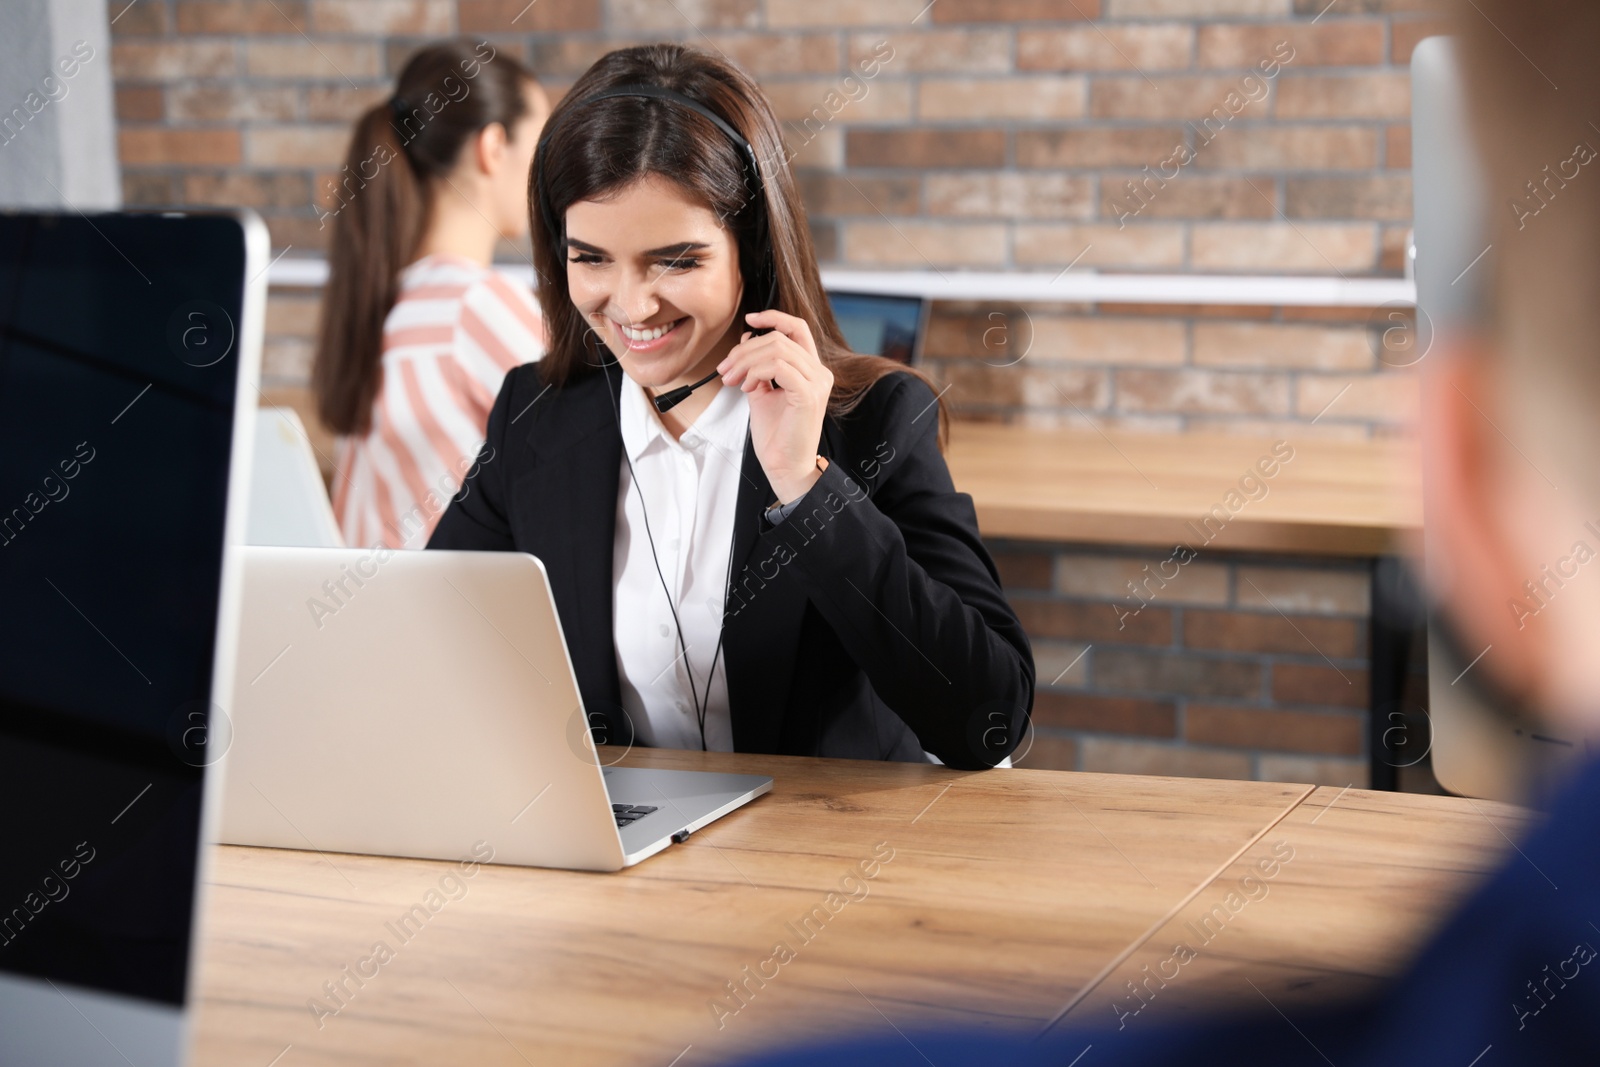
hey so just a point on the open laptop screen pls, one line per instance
(877, 324)
(118, 366)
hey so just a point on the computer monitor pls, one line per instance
(877, 324)
(1477, 749)
(128, 352)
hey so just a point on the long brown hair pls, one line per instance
(610, 144)
(446, 93)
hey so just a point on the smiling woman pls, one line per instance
(698, 410)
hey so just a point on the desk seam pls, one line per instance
(1122, 957)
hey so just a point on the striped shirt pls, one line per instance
(455, 329)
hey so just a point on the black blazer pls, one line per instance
(868, 624)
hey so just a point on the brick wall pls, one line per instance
(1251, 667)
(1006, 134)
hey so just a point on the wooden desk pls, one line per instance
(1371, 876)
(1008, 893)
(1334, 498)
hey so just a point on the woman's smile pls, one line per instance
(653, 339)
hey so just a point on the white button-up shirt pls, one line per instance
(689, 489)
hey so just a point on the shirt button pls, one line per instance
(683, 707)
(672, 543)
(663, 630)
(690, 440)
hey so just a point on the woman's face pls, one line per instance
(651, 257)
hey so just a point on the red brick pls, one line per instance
(301, 59)
(1097, 147)
(283, 190)
(1291, 148)
(1137, 244)
(834, 195)
(1091, 621)
(1317, 248)
(764, 55)
(232, 102)
(1031, 98)
(1190, 311)
(1308, 590)
(1189, 196)
(1309, 683)
(1379, 95)
(1006, 194)
(1021, 385)
(1397, 147)
(1103, 714)
(171, 60)
(140, 103)
(1330, 734)
(1380, 196)
(1197, 97)
(1392, 396)
(1014, 10)
(1335, 772)
(1329, 43)
(834, 13)
(297, 146)
(1138, 48)
(700, 14)
(920, 244)
(925, 148)
(1111, 756)
(934, 51)
(1247, 631)
(546, 16)
(1173, 673)
(1281, 346)
(148, 189)
(1046, 752)
(243, 16)
(162, 147)
(340, 103)
(383, 17)
(1023, 569)
(129, 18)
(1202, 392)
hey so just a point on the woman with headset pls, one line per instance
(750, 532)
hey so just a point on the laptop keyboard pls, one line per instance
(630, 813)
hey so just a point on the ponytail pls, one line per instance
(446, 93)
(376, 227)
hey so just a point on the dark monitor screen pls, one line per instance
(119, 358)
(875, 324)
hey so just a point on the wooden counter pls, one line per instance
(1333, 498)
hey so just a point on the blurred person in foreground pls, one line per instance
(1511, 977)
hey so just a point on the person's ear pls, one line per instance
(1475, 551)
(491, 148)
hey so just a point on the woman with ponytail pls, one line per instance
(418, 329)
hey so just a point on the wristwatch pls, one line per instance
(777, 511)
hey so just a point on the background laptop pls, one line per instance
(423, 704)
(128, 354)
(882, 324)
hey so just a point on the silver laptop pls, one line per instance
(423, 704)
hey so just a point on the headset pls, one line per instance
(672, 397)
